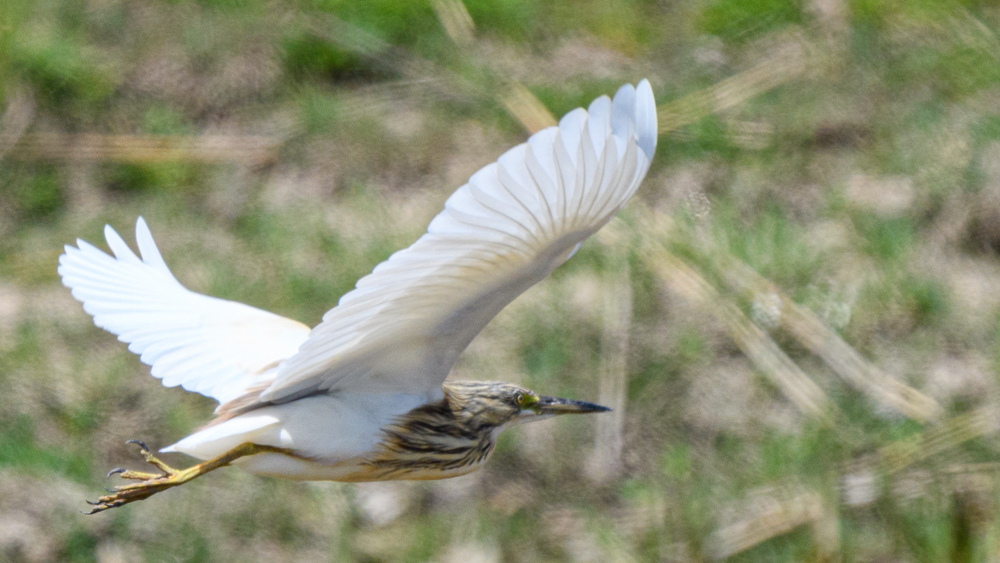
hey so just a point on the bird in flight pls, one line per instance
(362, 396)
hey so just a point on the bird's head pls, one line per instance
(497, 405)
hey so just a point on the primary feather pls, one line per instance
(207, 345)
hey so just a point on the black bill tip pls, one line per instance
(554, 405)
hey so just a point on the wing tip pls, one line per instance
(646, 127)
(110, 232)
(148, 250)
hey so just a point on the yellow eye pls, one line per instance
(519, 398)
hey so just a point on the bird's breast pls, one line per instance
(431, 441)
(422, 457)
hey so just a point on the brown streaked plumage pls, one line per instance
(457, 434)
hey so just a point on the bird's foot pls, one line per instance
(149, 483)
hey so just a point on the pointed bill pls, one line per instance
(554, 405)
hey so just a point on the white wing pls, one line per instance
(405, 324)
(211, 346)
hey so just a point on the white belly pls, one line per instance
(321, 431)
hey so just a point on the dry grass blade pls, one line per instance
(517, 99)
(15, 121)
(526, 108)
(751, 135)
(844, 360)
(781, 67)
(861, 483)
(961, 28)
(519, 102)
(414, 69)
(765, 354)
(980, 468)
(249, 149)
(455, 18)
(605, 460)
(947, 435)
(770, 514)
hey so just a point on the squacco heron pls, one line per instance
(362, 396)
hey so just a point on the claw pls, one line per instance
(150, 483)
(139, 443)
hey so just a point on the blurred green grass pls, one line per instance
(867, 190)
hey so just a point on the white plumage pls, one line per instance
(211, 346)
(390, 343)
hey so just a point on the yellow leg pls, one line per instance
(150, 483)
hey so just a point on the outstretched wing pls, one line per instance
(402, 328)
(211, 346)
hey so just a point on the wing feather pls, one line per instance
(404, 325)
(210, 346)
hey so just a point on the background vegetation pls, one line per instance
(796, 320)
